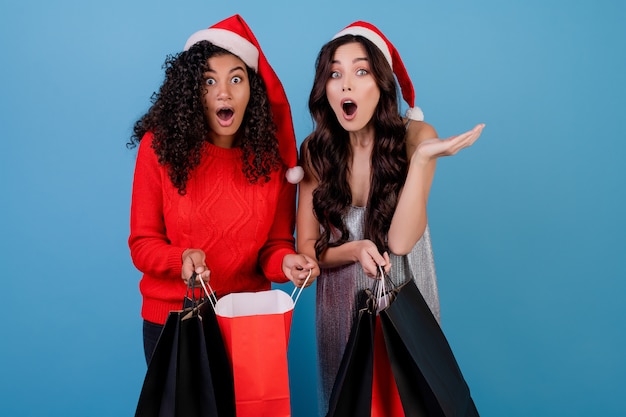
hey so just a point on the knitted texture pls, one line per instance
(244, 229)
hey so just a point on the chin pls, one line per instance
(352, 126)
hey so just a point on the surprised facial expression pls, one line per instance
(226, 96)
(351, 89)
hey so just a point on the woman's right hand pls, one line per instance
(367, 255)
(194, 261)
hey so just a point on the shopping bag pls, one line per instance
(157, 396)
(352, 391)
(255, 327)
(364, 385)
(219, 364)
(195, 395)
(184, 373)
(398, 362)
(178, 381)
(427, 375)
(385, 396)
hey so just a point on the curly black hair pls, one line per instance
(176, 118)
(327, 153)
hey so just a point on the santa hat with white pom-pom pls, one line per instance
(371, 33)
(234, 35)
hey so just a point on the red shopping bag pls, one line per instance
(255, 328)
(385, 397)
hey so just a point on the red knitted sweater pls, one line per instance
(244, 229)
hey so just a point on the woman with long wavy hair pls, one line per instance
(214, 184)
(368, 172)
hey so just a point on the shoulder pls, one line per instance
(418, 132)
(146, 143)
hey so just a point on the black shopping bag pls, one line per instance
(219, 362)
(352, 391)
(157, 396)
(189, 374)
(429, 380)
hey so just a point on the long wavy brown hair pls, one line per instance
(176, 118)
(327, 153)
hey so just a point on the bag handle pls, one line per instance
(382, 292)
(209, 294)
(301, 288)
(213, 299)
(381, 286)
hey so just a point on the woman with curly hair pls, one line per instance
(214, 184)
(368, 172)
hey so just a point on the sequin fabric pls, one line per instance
(338, 291)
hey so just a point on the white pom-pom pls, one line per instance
(294, 175)
(415, 113)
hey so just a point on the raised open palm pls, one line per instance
(435, 148)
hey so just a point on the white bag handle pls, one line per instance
(301, 288)
(213, 298)
(382, 297)
(211, 295)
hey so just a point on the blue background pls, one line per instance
(528, 225)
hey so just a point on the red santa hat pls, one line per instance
(371, 33)
(234, 35)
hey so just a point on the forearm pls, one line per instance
(306, 247)
(156, 257)
(151, 249)
(410, 217)
(344, 254)
(307, 236)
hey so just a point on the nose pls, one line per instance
(347, 84)
(223, 92)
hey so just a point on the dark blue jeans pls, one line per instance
(151, 333)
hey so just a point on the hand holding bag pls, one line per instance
(398, 362)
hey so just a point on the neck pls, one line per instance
(363, 138)
(223, 141)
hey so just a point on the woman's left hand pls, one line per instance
(434, 148)
(297, 267)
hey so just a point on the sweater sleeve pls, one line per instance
(150, 248)
(281, 240)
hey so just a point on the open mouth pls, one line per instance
(349, 108)
(225, 114)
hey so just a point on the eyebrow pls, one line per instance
(235, 69)
(354, 61)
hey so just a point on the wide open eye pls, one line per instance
(210, 81)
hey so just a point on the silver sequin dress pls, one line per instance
(338, 290)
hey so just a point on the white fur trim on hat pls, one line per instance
(294, 174)
(369, 35)
(230, 41)
(415, 113)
